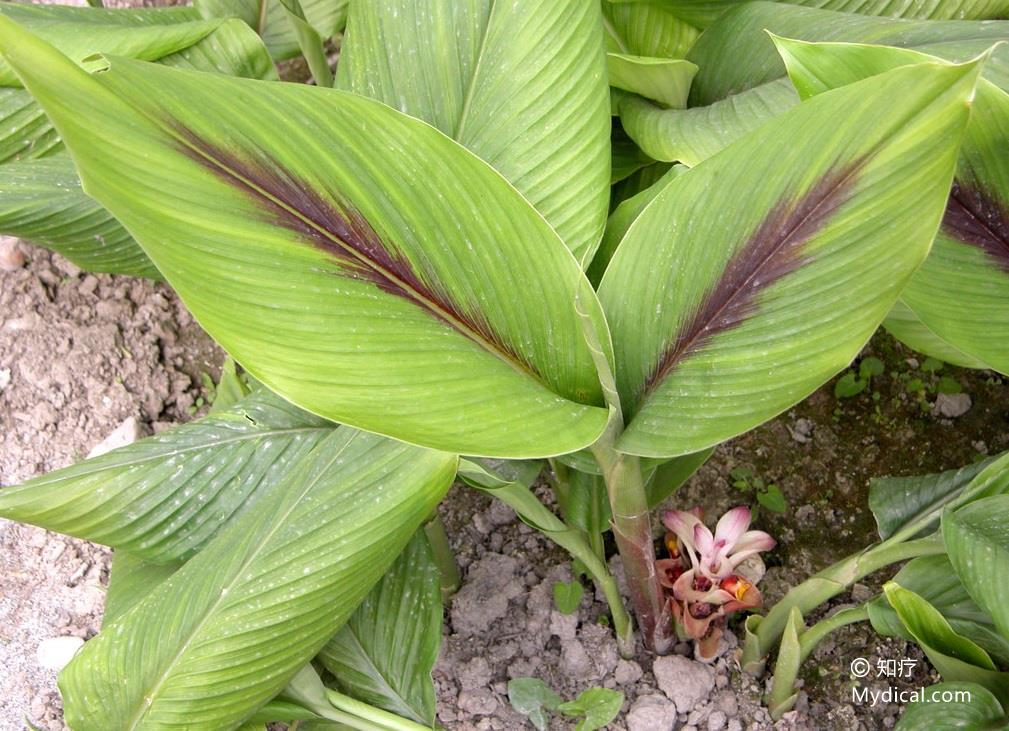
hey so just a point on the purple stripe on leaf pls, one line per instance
(975, 217)
(340, 230)
(771, 252)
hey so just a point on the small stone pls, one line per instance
(734, 725)
(716, 721)
(88, 285)
(685, 682)
(726, 703)
(627, 672)
(651, 713)
(11, 256)
(575, 660)
(5, 378)
(126, 433)
(484, 596)
(481, 524)
(477, 702)
(564, 626)
(56, 652)
(802, 431)
(861, 593)
(952, 405)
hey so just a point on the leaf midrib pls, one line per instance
(155, 688)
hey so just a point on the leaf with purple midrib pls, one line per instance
(771, 252)
(976, 218)
(340, 230)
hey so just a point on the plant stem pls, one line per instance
(444, 558)
(633, 531)
(375, 719)
(829, 583)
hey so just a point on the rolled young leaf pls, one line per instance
(664, 80)
(961, 293)
(935, 581)
(954, 656)
(754, 277)
(647, 29)
(225, 633)
(522, 84)
(692, 135)
(41, 201)
(353, 259)
(162, 498)
(385, 653)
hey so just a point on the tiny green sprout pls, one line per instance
(773, 499)
(870, 367)
(948, 385)
(932, 365)
(915, 385)
(849, 385)
(567, 596)
(596, 706)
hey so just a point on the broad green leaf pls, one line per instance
(903, 324)
(692, 135)
(742, 33)
(270, 20)
(41, 201)
(306, 250)
(225, 633)
(961, 293)
(977, 541)
(759, 274)
(385, 653)
(162, 498)
(954, 656)
(900, 502)
(647, 29)
(533, 698)
(967, 706)
(491, 474)
(627, 160)
(521, 84)
(664, 80)
(130, 580)
(934, 580)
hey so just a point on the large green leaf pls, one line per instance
(934, 580)
(355, 260)
(900, 502)
(961, 292)
(41, 201)
(903, 324)
(754, 277)
(271, 21)
(225, 633)
(162, 498)
(742, 33)
(977, 541)
(385, 653)
(692, 135)
(521, 84)
(963, 706)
